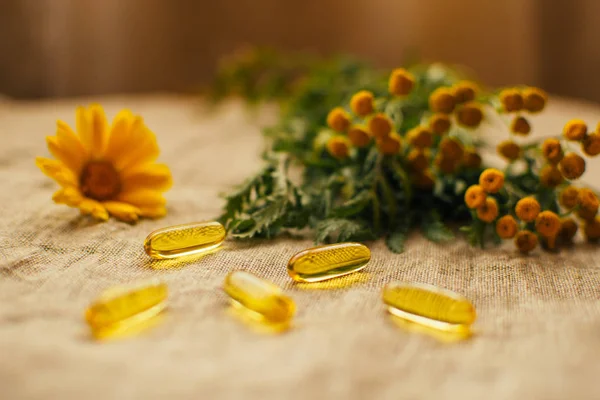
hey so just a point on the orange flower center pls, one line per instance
(99, 180)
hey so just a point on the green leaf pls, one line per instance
(271, 213)
(395, 241)
(340, 230)
(434, 230)
(353, 206)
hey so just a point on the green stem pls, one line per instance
(389, 196)
(405, 181)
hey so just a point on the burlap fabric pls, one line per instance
(537, 335)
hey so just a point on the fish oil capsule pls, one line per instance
(124, 306)
(329, 261)
(429, 305)
(262, 298)
(184, 240)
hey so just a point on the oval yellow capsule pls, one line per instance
(329, 261)
(429, 305)
(261, 298)
(121, 304)
(184, 240)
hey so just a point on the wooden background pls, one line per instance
(83, 47)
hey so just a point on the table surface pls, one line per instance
(537, 335)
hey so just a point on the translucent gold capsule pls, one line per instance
(429, 305)
(184, 240)
(261, 298)
(122, 308)
(329, 261)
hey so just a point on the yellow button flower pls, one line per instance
(491, 180)
(591, 229)
(520, 126)
(512, 100)
(401, 82)
(338, 119)
(359, 136)
(470, 114)
(488, 212)
(445, 164)
(568, 230)
(451, 149)
(389, 145)
(380, 125)
(417, 159)
(471, 159)
(588, 201)
(552, 151)
(569, 197)
(527, 209)
(361, 103)
(465, 91)
(442, 100)
(507, 227)
(534, 99)
(107, 169)
(547, 224)
(420, 137)
(591, 144)
(572, 166)
(475, 196)
(509, 150)
(526, 241)
(440, 123)
(339, 147)
(575, 130)
(550, 176)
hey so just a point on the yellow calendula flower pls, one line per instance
(527, 209)
(491, 180)
(534, 99)
(575, 130)
(488, 212)
(572, 166)
(507, 227)
(526, 241)
(470, 114)
(107, 169)
(465, 91)
(442, 100)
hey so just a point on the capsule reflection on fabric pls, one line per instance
(184, 240)
(263, 300)
(329, 261)
(429, 305)
(121, 309)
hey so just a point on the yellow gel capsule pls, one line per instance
(329, 261)
(261, 298)
(122, 307)
(429, 305)
(184, 240)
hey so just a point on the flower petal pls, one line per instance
(89, 206)
(56, 170)
(153, 212)
(148, 176)
(123, 211)
(143, 198)
(119, 135)
(69, 196)
(141, 147)
(67, 154)
(92, 128)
